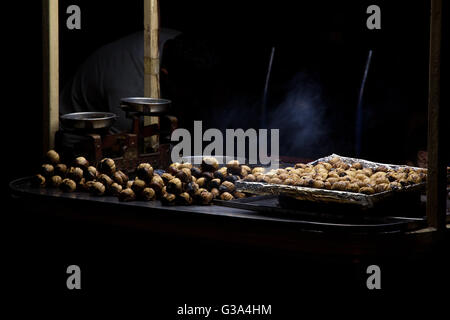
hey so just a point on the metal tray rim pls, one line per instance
(325, 195)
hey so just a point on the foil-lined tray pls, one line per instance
(330, 196)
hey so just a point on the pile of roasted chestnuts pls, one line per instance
(181, 183)
(79, 175)
(335, 174)
(187, 184)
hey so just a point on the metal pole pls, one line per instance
(436, 185)
(50, 45)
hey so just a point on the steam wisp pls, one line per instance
(359, 110)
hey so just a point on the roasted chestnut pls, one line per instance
(382, 187)
(381, 169)
(168, 199)
(184, 175)
(167, 177)
(414, 178)
(205, 197)
(75, 173)
(81, 185)
(243, 173)
(239, 195)
(144, 171)
(105, 179)
(81, 162)
(207, 175)
(395, 185)
(175, 186)
(334, 160)
(191, 188)
(342, 165)
(120, 178)
(275, 181)
(318, 184)
(38, 181)
(107, 166)
(353, 187)
(357, 165)
(184, 198)
(250, 178)
(367, 190)
(214, 183)
(339, 185)
(68, 185)
(367, 171)
(246, 168)
(52, 157)
(227, 186)
(327, 185)
(138, 185)
(196, 172)
(148, 194)
(157, 184)
(55, 181)
(297, 165)
(86, 186)
(115, 189)
(209, 164)
(234, 167)
(186, 165)
(262, 178)
(226, 196)
(201, 182)
(260, 170)
(127, 194)
(232, 178)
(90, 173)
(47, 170)
(219, 175)
(162, 192)
(173, 168)
(97, 188)
(215, 192)
(60, 170)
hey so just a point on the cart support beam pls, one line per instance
(50, 45)
(436, 185)
(151, 57)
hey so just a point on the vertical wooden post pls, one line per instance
(151, 57)
(50, 44)
(436, 185)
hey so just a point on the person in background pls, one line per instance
(114, 71)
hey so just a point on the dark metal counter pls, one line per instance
(232, 225)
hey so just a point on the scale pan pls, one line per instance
(146, 106)
(87, 120)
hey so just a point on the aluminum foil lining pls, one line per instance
(364, 163)
(325, 195)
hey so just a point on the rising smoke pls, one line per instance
(301, 119)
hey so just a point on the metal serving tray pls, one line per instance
(330, 196)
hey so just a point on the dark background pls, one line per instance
(322, 44)
(218, 68)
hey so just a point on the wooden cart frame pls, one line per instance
(437, 177)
